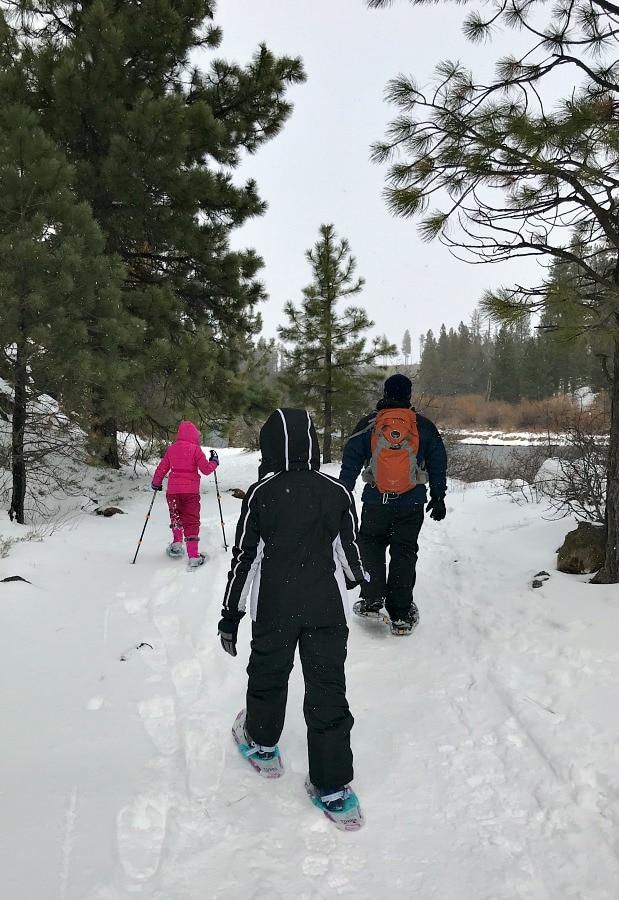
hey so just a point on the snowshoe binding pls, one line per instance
(340, 806)
(265, 760)
(175, 550)
(196, 561)
(369, 609)
(406, 626)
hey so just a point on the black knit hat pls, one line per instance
(398, 387)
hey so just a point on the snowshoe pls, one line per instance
(369, 609)
(175, 550)
(407, 625)
(265, 760)
(196, 561)
(341, 806)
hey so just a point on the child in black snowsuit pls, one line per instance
(296, 545)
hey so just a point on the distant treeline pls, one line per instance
(510, 364)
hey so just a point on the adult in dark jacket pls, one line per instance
(394, 520)
(296, 547)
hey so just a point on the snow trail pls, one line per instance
(474, 736)
(486, 747)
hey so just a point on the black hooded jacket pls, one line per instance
(296, 537)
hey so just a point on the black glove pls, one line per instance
(227, 630)
(157, 487)
(436, 508)
(213, 456)
(365, 576)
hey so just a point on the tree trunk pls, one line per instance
(610, 573)
(18, 429)
(326, 444)
(110, 444)
(103, 443)
(328, 395)
(489, 389)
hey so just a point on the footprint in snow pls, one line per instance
(140, 834)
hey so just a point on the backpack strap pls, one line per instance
(368, 427)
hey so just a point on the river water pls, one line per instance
(482, 462)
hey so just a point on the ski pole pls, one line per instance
(221, 515)
(144, 529)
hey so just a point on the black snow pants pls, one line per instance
(329, 721)
(395, 527)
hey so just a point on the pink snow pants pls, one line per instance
(185, 520)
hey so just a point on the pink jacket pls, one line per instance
(184, 460)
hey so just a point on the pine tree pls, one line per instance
(55, 281)
(447, 362)
(569, 325)
(154, 140)
(505, 372)
(522, 171)
(327, 367)
(406, 346)
(430, 369)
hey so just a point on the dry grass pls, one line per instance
(472, 412)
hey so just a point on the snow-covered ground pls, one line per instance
(486, 745)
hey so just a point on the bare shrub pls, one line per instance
(5, 546)
(468, 410)
(571, 464)
(580, 487)
(244, 434)
(524, 463)
(517, 467)
(520, 474)
(474, 412)
(534, 415)
(599, 406)
(53, 453)
(468, 462)
(494, 417)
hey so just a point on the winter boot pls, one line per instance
(196, 561)
(372, 606)
(195, 558)
(175, 549)
(369, 609)
(407, 624)
(333, 799)
(265, 760)
(258, 750)
(247, 746)
(340, 805)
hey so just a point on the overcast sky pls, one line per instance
(318, 170)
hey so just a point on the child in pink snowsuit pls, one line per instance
(184, 460)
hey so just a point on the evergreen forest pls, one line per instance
(511, 363)
(123, 306)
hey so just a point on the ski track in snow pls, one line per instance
(475, 719)
(67, 846)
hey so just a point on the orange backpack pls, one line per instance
(393, 468)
